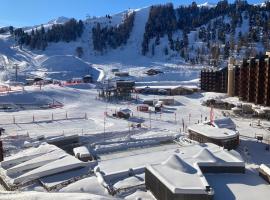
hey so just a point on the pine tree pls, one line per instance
(153, 49)
(11, 30)
(227, 50)
(79, 52)
(166, 51)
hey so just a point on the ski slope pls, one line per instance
(59, 60)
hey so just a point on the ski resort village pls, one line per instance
(165, 102)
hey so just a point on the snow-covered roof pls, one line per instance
(224, 123)
(27, 154)
(156, 155)
(125, 111)
(205, 156)
(179, 176)
(165, 87)
(181, 172)
(213, 132)
(35, 163)
(265, 168)
(82, 151)
(64, 164)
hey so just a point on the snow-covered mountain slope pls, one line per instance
(60, 61)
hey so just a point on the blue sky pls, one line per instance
(32, 12)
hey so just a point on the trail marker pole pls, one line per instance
(16, 67)
(104, 128)
(183, 124)
(150, 120)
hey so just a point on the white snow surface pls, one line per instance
(52, 196)
(213, 132)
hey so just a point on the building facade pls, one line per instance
(214, 80)
(250, 80)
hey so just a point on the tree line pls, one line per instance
(112, 36)
(216, 27)
(39, 38)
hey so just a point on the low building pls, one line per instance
(36, 162)
(149, 102)
(143, 108)
(124, 113)
(121, 74)
(76, 80)
(165, 90)
(87, 79)
(38, 79)
(218, 103)
(176, 179)
(115, 70)
(167, 101)
(181, 176)
(82, 153)
(29, 81)
(152, 72)
(221, 136)
(264, 172)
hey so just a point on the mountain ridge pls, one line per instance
(196, 51)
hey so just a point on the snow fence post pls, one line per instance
(150, 120)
